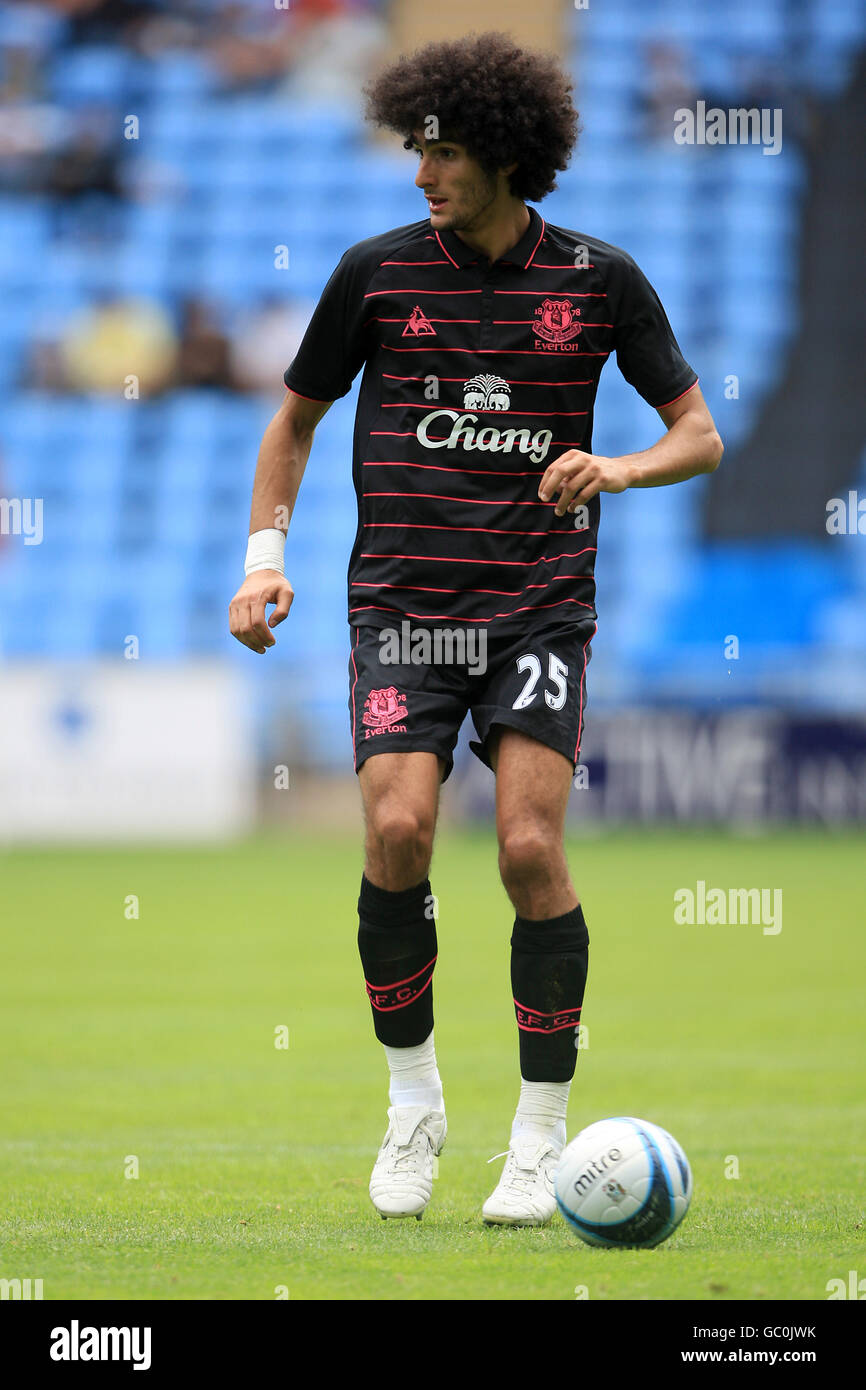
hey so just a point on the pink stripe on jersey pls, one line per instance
(449, 294)
(496, 352)
(534, 414)
(319, 400)
(679, 397)
(515, 381)
(449, 617)
(537, 244)
(410, 434)
(434, 589)
(443, 468)
(354, 683)
(470, 501)
(376, 319)
(582, 694)
(560, 294)
(460, 560)
(489, 530)
(583, 322)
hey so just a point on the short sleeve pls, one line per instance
(335, 344)
(647, 353)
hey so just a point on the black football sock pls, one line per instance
(549, 959)
(397, 942)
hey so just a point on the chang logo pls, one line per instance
(483, 392)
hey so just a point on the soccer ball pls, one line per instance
(623, 1182)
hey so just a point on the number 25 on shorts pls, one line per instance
(557, 673)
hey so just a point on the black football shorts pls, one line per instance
(410, 695)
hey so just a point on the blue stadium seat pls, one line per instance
(182, 74)
(93, 73)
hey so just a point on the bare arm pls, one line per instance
(283, 455)
(690, 446)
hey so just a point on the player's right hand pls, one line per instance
(247, 619)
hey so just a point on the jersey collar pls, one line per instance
(520, 255)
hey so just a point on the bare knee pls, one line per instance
(527, 854)
(399, 844)
(402, 827)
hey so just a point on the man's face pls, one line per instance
(457, 189)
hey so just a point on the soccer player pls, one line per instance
(482, 331)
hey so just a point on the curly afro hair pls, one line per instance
(504, 103)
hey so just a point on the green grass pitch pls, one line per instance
(150, 1042)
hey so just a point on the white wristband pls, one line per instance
(265, 551)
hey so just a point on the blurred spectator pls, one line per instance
(119, 337)
(103, 21)
(36, 27)
(30, 127)
(734, 79)
(28, 131)
(338, 53)
(19, 72)
(317, 47)
(667, 84)
(759, 81)
(203, 357)
(265, 342)
(171, 28)
(42, 369)
(114, 340)
(255, 47)
(82, 174)
(87, 162)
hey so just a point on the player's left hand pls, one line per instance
(578, 476)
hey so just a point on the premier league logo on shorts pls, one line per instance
(382, 709)
(557, 322)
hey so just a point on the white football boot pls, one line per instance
(524, 1195)
(402, 1180)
